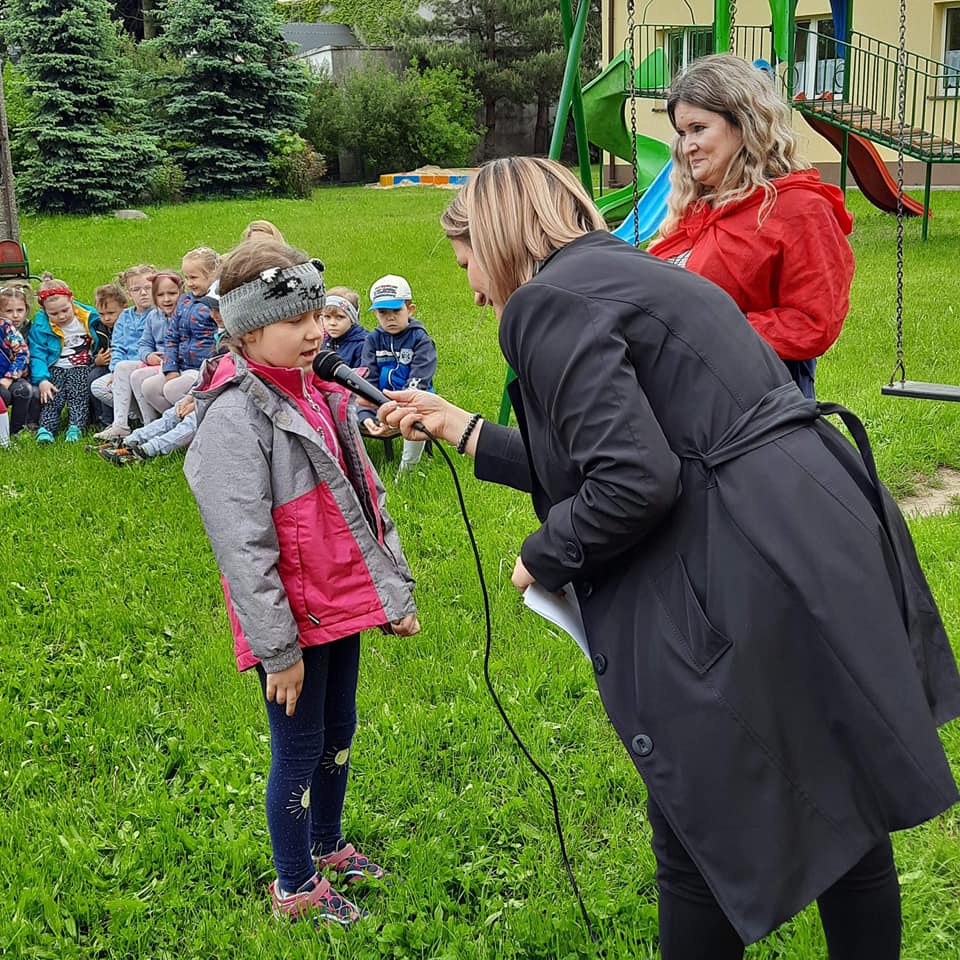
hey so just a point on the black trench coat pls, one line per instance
(763, 638)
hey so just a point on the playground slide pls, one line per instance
(603, 110)
(868, 169)
(650, 211)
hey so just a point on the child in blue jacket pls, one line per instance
(342, 331)
(398, 354)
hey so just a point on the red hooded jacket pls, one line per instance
(790, 275)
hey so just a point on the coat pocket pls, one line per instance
(704, 644)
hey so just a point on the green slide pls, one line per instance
(603, 109)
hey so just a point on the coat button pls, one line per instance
(599, 663)
(641, 745)
(586, 588)
(573, 551)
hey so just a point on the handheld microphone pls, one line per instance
(328, 366)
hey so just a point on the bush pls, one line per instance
(168, 184)
(393, 123)
(295, 167)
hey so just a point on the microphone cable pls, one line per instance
(493, 693)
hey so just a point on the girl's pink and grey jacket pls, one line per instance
(306, 550)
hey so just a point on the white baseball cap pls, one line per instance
(390, 293)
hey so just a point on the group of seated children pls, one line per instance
(138, 352)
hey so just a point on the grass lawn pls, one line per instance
(133, 756)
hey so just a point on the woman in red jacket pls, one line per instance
(746, 212)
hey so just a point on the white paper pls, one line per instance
(561, 610)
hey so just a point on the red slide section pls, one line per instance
(868, 169)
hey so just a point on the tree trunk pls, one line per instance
(149, 20)
(490, 122)
(540, 127)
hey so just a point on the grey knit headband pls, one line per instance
(275, 294)
(341, 303)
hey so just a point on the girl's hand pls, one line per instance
(407, 627)
(285, 686)
(185, 405)
(47, 391)
(154, 359)
(439, 416)
(521, 577)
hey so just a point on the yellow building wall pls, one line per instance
(876, 18)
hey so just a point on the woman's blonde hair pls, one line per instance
(259, 229)
(747, 98)
(514, 213)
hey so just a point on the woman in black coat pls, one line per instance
(763, 638)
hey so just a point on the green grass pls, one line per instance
(133, 756)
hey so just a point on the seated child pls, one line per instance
(174, 429)
(190, 333)
(341, 325)
(15, 303)
(398, 354)
(15, 393)
(110, 301)
(115, 389)
(63, 343)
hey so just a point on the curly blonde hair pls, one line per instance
(745, 96)
(514, 213)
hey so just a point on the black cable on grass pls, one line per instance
(493, 693)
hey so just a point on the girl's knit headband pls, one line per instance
(44, 295)
(341, 303)
(273, 295)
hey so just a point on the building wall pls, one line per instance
(876, 18)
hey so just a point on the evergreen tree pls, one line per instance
(237, 92)
(78, 148)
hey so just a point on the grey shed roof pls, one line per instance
(314, 36)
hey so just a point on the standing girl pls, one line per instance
(62, 343)
(308, 557)
(191, 333)
(19, 393)
(165, 289)
(113, 389)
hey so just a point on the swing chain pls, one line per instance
(733, 25)
(632, 49)
(901, 124)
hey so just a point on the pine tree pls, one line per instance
(78, 150)
(237, 91)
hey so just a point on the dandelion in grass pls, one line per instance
(299, 805)
(335, 761)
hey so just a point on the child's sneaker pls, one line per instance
(316, 899)
(73, 434)
(44, 435)
(113, 432)
(350, 865)
(122, 455)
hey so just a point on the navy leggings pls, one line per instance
(310, 760)
(860, 912)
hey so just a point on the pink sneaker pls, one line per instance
(316, 899)
(350, 865)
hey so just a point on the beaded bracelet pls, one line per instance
(475, 418)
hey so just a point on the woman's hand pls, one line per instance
(439, 416)
(407, 627)
(47, 391)
(521, 577)
(285, 686)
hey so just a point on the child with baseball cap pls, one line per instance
(398, 354)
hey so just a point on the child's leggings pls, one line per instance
(138, 378)
(71, 384)
(860, 913)
(162, 394)
(310, 760)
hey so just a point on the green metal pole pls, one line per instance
(926, 201)
(721, 26)
(570, 93)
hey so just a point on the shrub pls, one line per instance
(295, 167)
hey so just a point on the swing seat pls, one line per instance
(918, 390)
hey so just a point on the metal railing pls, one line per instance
(852, 85)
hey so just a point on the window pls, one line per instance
(951, 49)
(819, 66)
(685, 46)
